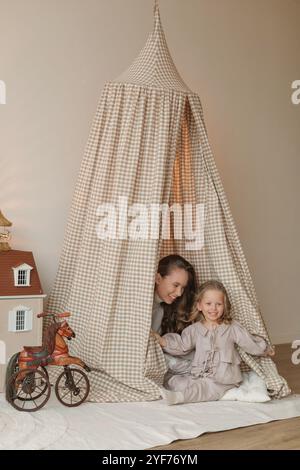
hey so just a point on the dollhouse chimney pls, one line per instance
(4, 233)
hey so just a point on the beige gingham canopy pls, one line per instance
(148, 143)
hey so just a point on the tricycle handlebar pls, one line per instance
(54, 315)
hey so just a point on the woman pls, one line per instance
(175, 287)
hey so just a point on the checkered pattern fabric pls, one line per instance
(148, 143)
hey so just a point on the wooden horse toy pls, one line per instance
(27, 381)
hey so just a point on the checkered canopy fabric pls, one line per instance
(148, 145)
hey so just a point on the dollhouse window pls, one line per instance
(22, 275)
(20, 319)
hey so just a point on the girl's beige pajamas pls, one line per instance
(216, 364)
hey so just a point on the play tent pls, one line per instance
(148, 146)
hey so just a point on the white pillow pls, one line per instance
(179, 364)
(252, 389)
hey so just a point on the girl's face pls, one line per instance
(212, 305)
(171, 286)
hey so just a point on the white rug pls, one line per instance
(130, 426)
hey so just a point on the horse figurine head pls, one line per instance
(65, 330)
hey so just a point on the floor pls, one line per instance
(144, 425)
(276, 435)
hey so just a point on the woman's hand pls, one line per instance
(270, 351)
(161, 341)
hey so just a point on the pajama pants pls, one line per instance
(200, 389)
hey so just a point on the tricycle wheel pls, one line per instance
(29, 390)
(39, 390)
(72, 387)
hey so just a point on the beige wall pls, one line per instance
(241, 56)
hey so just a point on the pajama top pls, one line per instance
(157, 314)
(215, 354)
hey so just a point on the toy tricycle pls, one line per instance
(27, 380)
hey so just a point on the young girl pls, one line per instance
(215, 368)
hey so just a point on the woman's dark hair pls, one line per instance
(176, 315)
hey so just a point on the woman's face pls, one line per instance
(171, 286)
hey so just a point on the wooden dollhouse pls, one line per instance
(21, 299)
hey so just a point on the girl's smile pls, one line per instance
(212, 306)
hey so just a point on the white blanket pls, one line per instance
(252, 389)
(130, 425)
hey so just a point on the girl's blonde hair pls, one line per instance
(196, 315)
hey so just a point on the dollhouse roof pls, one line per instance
(13, 259)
